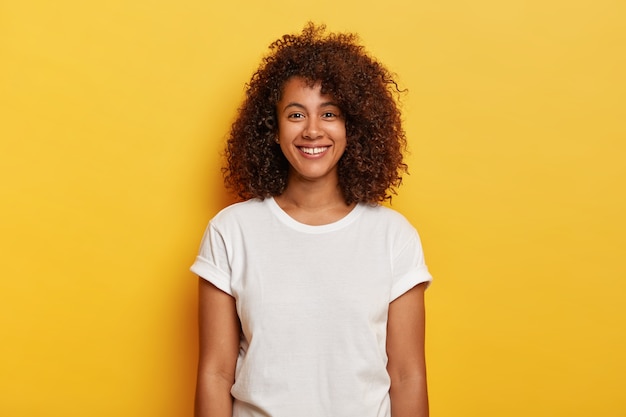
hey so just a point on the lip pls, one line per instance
(313, 151)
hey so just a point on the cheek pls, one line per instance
(287, 130)
(339, 133)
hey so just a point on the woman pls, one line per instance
(311, 293)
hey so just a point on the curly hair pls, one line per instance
(372, 165)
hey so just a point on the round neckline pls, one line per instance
(307, 228)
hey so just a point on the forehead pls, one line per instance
(302, 88)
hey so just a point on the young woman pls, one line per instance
(311, 293)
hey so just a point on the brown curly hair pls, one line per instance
(371, 167)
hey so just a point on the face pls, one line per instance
(311, 131)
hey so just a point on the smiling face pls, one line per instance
(311, 131)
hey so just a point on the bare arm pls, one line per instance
(405, 349)
(219, 346)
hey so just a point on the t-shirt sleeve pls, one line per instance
(212, 263)
(409, 268)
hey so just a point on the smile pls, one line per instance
(314, 151)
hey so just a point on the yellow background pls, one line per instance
(112, 117)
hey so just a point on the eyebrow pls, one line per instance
(300, 106)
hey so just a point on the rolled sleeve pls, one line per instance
(212, 262)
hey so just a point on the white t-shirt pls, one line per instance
(313, 303)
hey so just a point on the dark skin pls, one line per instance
(219, 347)
(312, 137)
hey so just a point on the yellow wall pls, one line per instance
(112, 116)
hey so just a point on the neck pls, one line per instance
(313, 203)
(312, 195)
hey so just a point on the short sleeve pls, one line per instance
(212, 262)
(409, 268)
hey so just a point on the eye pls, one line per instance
(295, 116)
(329, 115)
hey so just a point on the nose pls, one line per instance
(312, 130)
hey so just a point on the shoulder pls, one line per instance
(387, 226)
(386, 216)
(240, 208)
(238, 212)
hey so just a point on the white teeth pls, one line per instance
(313, 151)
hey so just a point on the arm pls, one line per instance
(405, 350)
(219, 347)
